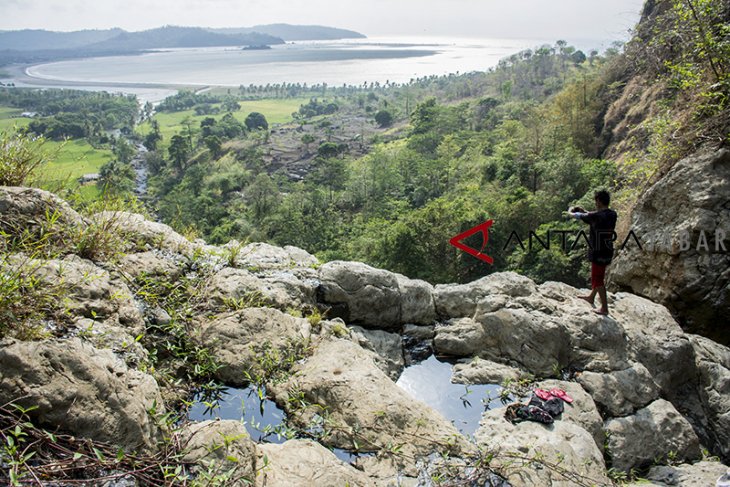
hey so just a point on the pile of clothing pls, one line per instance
(543, 407)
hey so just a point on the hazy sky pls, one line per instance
(527, 19)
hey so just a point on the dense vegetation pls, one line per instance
(72, 113)
(516, 144)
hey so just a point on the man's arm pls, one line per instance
(588, 217)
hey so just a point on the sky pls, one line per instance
(571, 20)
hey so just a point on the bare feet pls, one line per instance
(603, 312)
(587, 298)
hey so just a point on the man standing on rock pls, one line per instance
(600, 248)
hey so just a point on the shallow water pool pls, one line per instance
(429, 381)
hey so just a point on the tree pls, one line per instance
(179, 151)
(384, 118)
(262, 195)
(328, 149)
(307, 139)
(116, 177)
(154, 137)
(231, 105)
(214, 145)
(123, 150)
(255, 121)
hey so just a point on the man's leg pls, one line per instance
(599, 285)
(592, 296)
(604, 301)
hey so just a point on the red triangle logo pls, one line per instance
(484, 229)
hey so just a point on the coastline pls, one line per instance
(153, 92)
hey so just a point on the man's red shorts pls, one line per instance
(598, 274)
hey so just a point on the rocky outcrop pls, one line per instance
(365, 409)
(242, 338)
(653, 433)
(713, 413)
(562, 454)
(459, 300)
(483, 371)
(221, 446)
(621, 392)
(305, 462)
(83, 390)
(33, 209)
(374, 298)
(635, 375)
(691, 199)
(388, 349)
(700, 474)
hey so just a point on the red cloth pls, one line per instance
(598, 274)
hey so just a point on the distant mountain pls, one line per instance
(171, 36)
(37, 46)
(296, 32)
(31, 40)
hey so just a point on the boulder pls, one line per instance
(483, 371)
(713, 363)
(700, 474)
(388, 348)
(538, 342)
(83, 390)
(153, 264)
(462, 337)
(621, 392)
(236, 339)
(32, 209)
(92, 292)
(460, 300)
(525, 450)
(651, 434)
(305, 462)
(145, 234)
(284, 291)
(374, 298)
(582, 411)
(221, 445)
(656, 341)
(691, 198)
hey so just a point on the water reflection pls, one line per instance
(430, 382)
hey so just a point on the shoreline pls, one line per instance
(19, 75)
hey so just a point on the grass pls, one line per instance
(10, 117)
(276, 111)
(74, 159)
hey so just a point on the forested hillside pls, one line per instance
(516, 144)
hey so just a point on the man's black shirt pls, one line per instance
(603, 224)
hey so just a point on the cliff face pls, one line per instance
(667, 124)
(97, 368)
